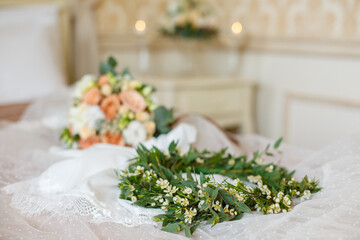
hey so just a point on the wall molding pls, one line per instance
(290, 97)
(348, 48)
(323, 27)
(337, 48)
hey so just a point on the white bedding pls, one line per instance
(27, 150)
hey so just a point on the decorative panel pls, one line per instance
(310, 19)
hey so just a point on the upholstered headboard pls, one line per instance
(65, 26)
(30, 74)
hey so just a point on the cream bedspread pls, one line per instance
(28, 148)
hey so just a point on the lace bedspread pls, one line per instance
(49, 193)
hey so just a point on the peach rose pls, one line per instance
(103, 79)
(112, 138)
(110, 106)
(70, 130)
(88, 142)
(106, 89)
(150, 128)
(133, 100)
(92, 96)
(142, 116)
(86, 132)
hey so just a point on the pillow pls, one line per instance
(31, 60)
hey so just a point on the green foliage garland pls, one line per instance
(169, 181)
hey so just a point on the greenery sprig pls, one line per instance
(189, 31)
(185, 188)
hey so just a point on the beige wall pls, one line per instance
(307, 47)
(305, 19)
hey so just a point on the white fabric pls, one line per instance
(87, 179)
(85, 182)
(31, 61)
(52, 111)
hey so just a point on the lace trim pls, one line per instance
(69, 207)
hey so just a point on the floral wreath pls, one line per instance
(155, 180)
(189, 19)
(114, 108)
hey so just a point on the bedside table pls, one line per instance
(228, 101)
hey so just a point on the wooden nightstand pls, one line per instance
(229, 101)
(12, 112)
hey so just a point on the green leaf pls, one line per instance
(163, 119)
(256, 154)
(127, 191)
(214, 213)
(226, 197)
(142, 156)
(112, 62)
(241, 207)
(190, 157)
(126, 72)
(214, 219)
(277, 143)
(160, 217)
(167, 173)
(223, 217)
(237, 217)
(204, 206)
(188, 174)
(212, 193)
(302, 185)
(189, 183)
(193, 228)
(178, 175)
(172, 227)
(108, 67)
(202, 178)
(267, 147)
(187, 232)
(172, 146)
(211, 221)
(306, 178)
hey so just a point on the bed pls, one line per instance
(31, 146)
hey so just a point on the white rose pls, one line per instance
(93, 114)
(173, 7)
(75, 118)
(135, 133)
(83, 116)
(85, 82)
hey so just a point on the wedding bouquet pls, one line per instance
(189, 19)
(113, 108)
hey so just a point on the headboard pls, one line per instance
(13, 111)
(65, 25)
